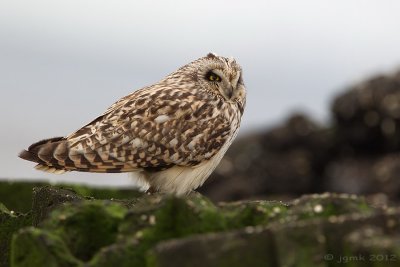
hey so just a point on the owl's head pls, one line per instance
(214, 74)
(221, 76)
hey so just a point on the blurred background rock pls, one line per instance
(357, 152)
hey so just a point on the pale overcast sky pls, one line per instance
(62, 63)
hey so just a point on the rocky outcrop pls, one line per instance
(286, 160)
(26, 204)
(368, 115)
(161, 230)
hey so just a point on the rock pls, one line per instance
(250, 247)
(17, 196)
(365, 175)
(155, 218)
(124, 253)
(252, 213)
(83, 228)
(338, 228)
(367, 116)
(104, 233)
(10, 222)
(47, 198)
(160, 217)
(315, 233)
(298, 243)
(162, 230)
(106, 192)
(371, 244)
(86, 227)
(326, 205)
(288, 159)
(301, 236)
(322, 241)
(37, 247)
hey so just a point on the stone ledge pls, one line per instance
(162, 231)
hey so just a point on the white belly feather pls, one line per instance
(180, 180)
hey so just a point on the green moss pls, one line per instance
(184, 216)
(47, 199)
(251, 213)
(173, 216)
(106, 193)
(156, 218)
(10, 222)
(87, 226)
(326, 205)
(233, 249)
(299, 244)
(80, 230)
(17, 196)
(37, 247)
(159, 218)
(121, 254)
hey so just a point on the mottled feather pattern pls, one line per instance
(175, 122)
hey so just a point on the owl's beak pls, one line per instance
(229, 92)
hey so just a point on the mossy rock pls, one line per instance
(10, 222)
(300, 243)
(326, 205)
(250, 247)
(18, 196)
(105, 233)
(156, 218)
(47, 199)
(251, 213)
(38, 247)
(371, 244)
(86, 227)
(163, 230)
(106, 193)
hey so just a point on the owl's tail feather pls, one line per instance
(55, 156)
(45, 153)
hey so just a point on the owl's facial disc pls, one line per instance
(226, 83)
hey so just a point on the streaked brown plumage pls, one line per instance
(171, 134)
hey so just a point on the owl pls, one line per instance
(171, 135)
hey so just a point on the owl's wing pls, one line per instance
(124, 99)
(152, 131)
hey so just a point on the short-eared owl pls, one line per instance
(171, 134)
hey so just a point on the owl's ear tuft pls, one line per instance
(211, 55)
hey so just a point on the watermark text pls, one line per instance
(361, 258)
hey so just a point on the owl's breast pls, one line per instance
(233, 113)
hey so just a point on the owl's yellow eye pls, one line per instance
(212, 77)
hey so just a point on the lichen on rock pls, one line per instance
(38, 247)
(10, 222)
(162, 230)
